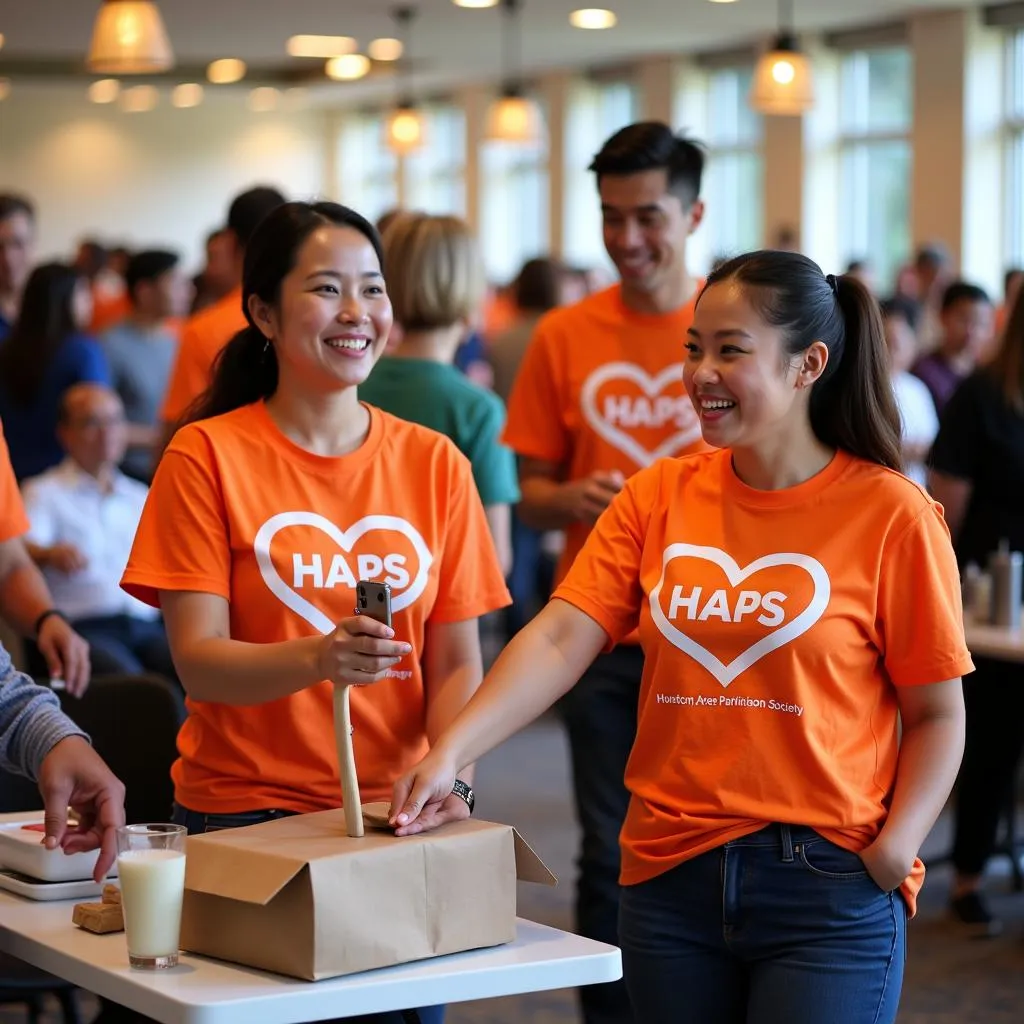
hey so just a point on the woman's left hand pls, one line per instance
(888, 866)
(438, 812)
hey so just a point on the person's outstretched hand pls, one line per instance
(423, 798)
(66, 654)
(74, 775)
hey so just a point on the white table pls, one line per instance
(997, 642)
(204, 991)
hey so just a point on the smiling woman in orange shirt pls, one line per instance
(770, 851)
(266, 510)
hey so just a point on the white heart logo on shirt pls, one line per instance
(726, 673)
(346, 540)
(652, 387)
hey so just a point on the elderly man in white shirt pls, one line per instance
(83, 515)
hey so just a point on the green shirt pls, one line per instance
(440, 397)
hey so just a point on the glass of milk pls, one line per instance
(151, 869)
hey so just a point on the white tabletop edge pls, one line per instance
(205, 991)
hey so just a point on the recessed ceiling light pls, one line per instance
(188, 94)
(105, 90)
(348, 67)
(226, 71)
(263, 99)
(475, 3)
(721, 1)
(593, 17)
(320, 46)
(385, 49)
(139, 98)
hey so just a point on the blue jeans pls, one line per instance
(776, 927)
(197, 823)
(600, 714)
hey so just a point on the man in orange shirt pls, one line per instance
(209, 330)
(599, 396)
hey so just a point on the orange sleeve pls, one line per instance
(188, 378)
(535, 425)
(604, 580)
(182, 540)
(470, 581)
(923, 636)
(13, 521)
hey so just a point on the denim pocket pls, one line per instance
(827, 860)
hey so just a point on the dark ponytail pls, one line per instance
(246, 371)
(852, 405)
(854, 408)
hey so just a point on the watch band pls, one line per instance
(48, 614)
(465, 792)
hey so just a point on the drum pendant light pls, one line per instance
(513, 117)
(129, 38)
(783, 83)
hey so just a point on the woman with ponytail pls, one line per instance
(269, 506)
(770, 853)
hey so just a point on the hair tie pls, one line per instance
(830, 280)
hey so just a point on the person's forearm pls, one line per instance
(24, 596)
(448, 697)
(39, 553)
(543, 505)
(529, 676)
(31, 721)
(224, 671)
(929, 760)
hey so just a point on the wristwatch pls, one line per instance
(465, 792)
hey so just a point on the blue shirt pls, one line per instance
(31, 428)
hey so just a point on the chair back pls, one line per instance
(133, 721)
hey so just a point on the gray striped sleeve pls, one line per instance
(31, 721)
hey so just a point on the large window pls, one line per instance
(1014, 189)
(734, 173)
(367, 169)
(596, 110)
(435, 175)
(876, 100)
(514, 219)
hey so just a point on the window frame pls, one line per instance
(1013, 148)
(855, 141)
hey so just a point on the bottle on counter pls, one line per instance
(1004, 567)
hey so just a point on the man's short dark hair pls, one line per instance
(148, 266)
(932, 254)
(249, 208)
(963, 291)
(12, 203)
(901, 307)
(650, 146)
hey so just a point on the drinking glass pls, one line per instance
(151, 867)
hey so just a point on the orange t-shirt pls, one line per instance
(601, 388)
(776, 626)
(13, 520)
(202, 337)
(238, 510)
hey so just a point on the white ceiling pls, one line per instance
(450, 44)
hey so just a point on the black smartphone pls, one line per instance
(374, 599)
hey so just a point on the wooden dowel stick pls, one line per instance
(347, 762)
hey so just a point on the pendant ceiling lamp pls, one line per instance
(404, 131)
(783, 83)
(513, 117)
(129, 38)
